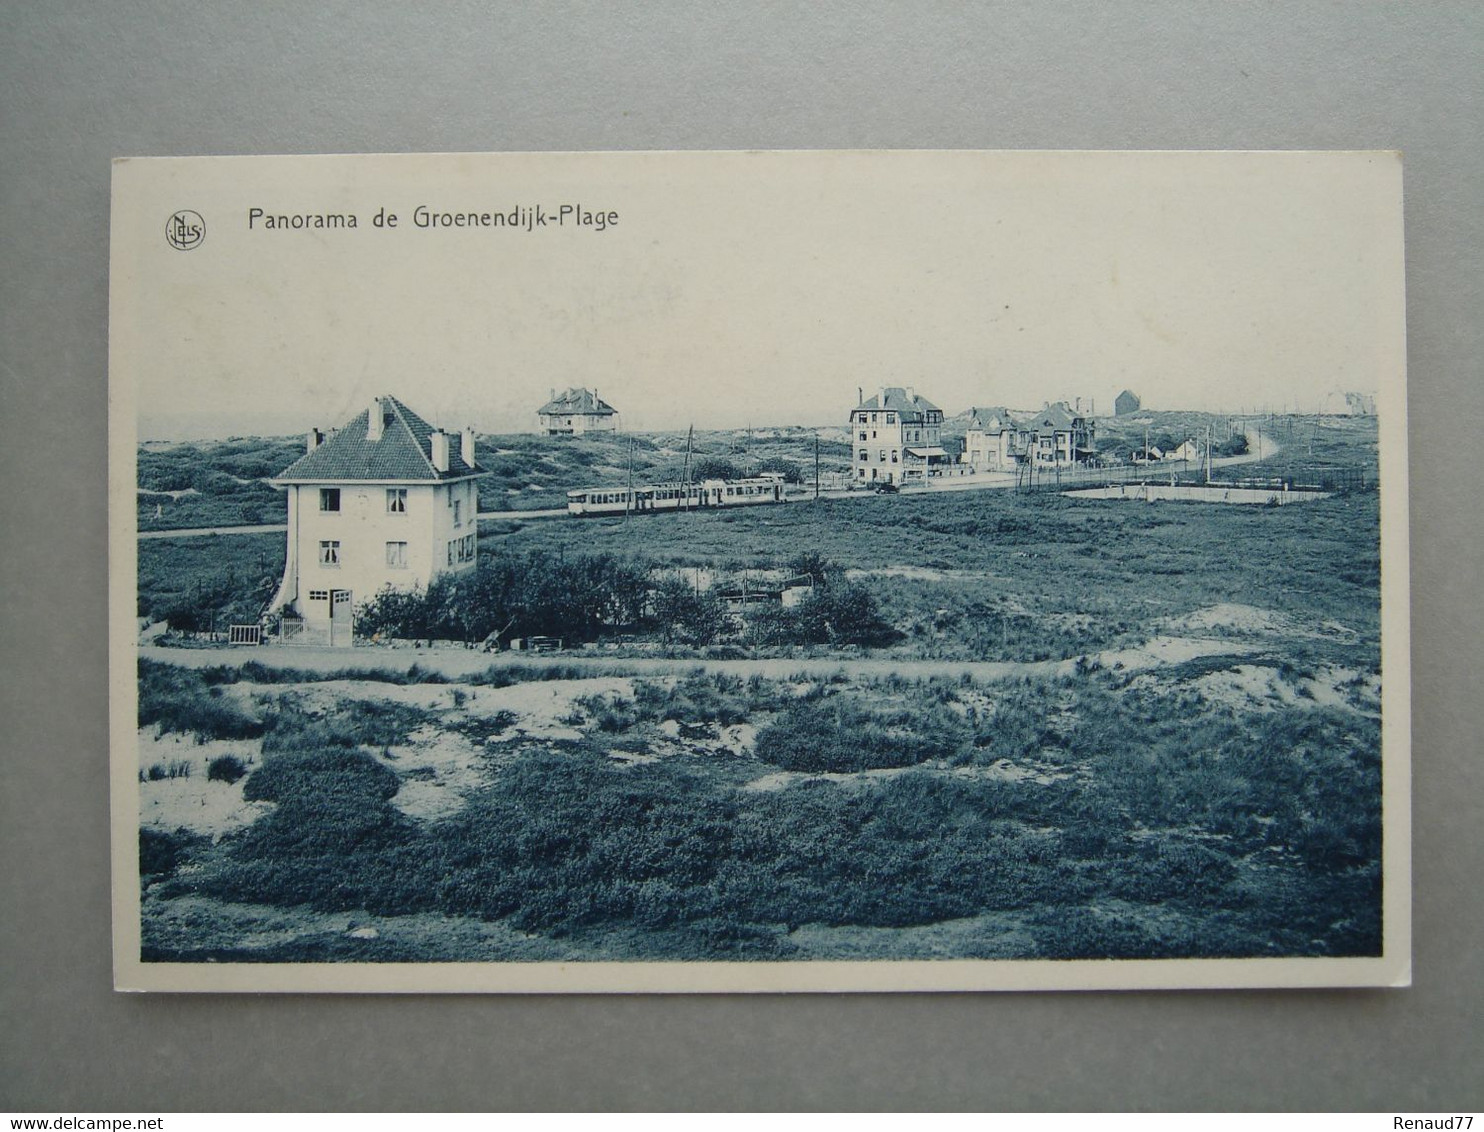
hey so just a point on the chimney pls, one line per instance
(466, 446)
(881, 396)
(373, 420)
(313, 440)
(860, 395)
(440, 450)
(912, 393)
(1077, 406)
(552, 391)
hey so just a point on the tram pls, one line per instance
(694, 496)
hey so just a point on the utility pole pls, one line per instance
(629, 499)
(816, 465)
(685, 487)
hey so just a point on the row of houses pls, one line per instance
(897, 437)
(998, 441)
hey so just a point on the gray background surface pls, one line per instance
(80, 84)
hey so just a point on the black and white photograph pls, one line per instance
(890, 570)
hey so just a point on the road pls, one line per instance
(456, 662)
(985, 481)
(197, 532)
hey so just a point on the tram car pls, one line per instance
(696, 496)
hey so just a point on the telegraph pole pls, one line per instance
(816, 465)
(686, 476)
(629, 500)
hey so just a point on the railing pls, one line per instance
(244, 634)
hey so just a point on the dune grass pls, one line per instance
(1192, 831)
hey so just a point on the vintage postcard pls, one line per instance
(791, 571)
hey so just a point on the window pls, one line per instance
(396, 555)
(451, 551)
(882, 455)
(329, 552)
(458, 512)
(891, 418)
(319, 595)
(863, 436)
(396, 501)
(893, 456)
(468, 548)
(329, 499)
(864, 455)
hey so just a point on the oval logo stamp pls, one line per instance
(185, 230)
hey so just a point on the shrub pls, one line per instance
(161, 853)
(788, 469)
(841, 734)
(715, 468)
(225, 768)
(371, 723)
(161, 772)
(180, 700)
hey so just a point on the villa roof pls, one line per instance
(983, 418)
(895, 398)
(1054, 418)
(578, 402)
(403, 453)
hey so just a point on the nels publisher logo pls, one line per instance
(185, 230)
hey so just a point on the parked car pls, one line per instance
(886, 487)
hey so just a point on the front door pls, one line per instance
(342, 618)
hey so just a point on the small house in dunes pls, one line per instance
(388, 500)
(575, 412)
(1187, 450)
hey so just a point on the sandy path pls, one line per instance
(198, 532)
(466, 662)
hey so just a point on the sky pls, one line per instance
(753, 289)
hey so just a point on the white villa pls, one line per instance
(386, 501)
(1061, 436)
(895, 436)
(575, 412)
(993, 441)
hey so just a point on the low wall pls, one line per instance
(1198, 493)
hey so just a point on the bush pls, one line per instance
(180, 700)
(537, 594)
(299, 777)
(841, 734)
(715, 468)
(782, 466)
(161, 772)
(161, 853)
(225, 768)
